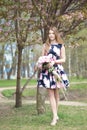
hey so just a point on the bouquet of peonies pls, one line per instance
(45, 63)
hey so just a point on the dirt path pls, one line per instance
(6, 100)
(66, 103)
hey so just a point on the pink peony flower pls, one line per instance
(44, 63)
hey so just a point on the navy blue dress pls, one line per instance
(46, 79)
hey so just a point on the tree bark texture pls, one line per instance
(40, 99)
(18, 85)
(41, 96)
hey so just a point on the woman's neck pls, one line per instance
(53, 42)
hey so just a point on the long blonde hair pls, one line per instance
(57, 37)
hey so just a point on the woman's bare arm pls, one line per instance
(62, 56)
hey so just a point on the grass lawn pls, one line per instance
(26, 93)
(76, 92)
(26, 118)
(74, 79)
(12, 83)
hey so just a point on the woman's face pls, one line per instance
(51, 35)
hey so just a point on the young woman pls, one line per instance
(55, 48)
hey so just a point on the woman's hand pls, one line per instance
(51, 64)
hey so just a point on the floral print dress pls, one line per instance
(46, 79)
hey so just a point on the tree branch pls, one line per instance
(65, 6)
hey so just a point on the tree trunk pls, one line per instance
(69, 66)
(41, 92)
(41, 96)
(9, 74)
(18, 87)
(77, 63)
(2, 59)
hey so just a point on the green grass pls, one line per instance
(8, 93)
(75, 79)
(12, 83)
(78, 86)
(27, 92)
(26, 118)
(82, 88)
(32, 91)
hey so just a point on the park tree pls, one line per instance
(17, 24)
(68, 16)
(7, 31)
(24, 24)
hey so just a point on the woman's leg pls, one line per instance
(52, 99)
(56, 94)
